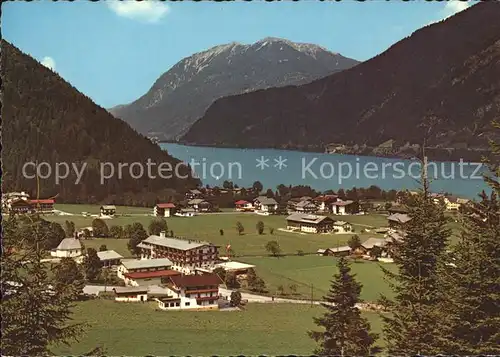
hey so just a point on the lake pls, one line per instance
(324, 171)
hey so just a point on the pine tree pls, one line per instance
(414, 324)
(35, 311)
(91, 265)
(346, 332)
(473, 279)
(472, 282)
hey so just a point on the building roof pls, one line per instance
(196, 192)
(322, 251)
(108, 207)
(196, 201)
(185, 281)
(399, 217)
(69, 244)
(47, 201)
(395, 236)
(305, 203)
(109, 255)
(372, 242)
(266, 200)
(324, 198)
(234, 266)
(165, 205)
(241, 202)
(130, 289)
(344, 248)
(144, 246)
(307, 218)
(146, 263)
(341, 223)
(151, 274)
(175, 243)
(342, 203)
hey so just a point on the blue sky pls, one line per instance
(114, 51)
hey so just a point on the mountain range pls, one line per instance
(46, 120)
(440, 84)
(181, 95)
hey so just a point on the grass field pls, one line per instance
(207, 227)
(136, 329)
(318, 271)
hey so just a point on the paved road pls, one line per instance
(266, 299)
(251, 298)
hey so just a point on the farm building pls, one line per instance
(309, 223)
(131, 294)
(199, 292)
(164, 209)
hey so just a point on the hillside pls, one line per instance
(45, 119)
(182, 94)
(449, 71)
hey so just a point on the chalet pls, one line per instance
(192, 194)
(398, 220)
(185, 212)
(309, 223)
(398, 209)
(199, 205)
(198, 292)
(19, 206)
(265, 204)
(45, 205)
(108, 210)
(324, 202)
(164, 209)
(337, 251)
(342, 227)
(68, 248)
(109, 258)
(83, 234)
(372, 242)
(137, 272)
(345, 207)
(235, 267)
(306, 206)
(453, 203)
(342, 251)
(186, 255)
(131, 294)
(242, 206)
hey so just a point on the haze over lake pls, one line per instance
(324, 171)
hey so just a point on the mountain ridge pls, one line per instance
(443, 71)
(46, 119)
(182, 94)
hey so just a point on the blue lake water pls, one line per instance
(324, 171)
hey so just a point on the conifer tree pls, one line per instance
(473, 278)
(36, 312)
(346, 332)
(414, 325)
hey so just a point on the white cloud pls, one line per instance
(147, 11)
(49, 63)
(451, 8)
(454, 6)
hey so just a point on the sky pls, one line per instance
(113, 51)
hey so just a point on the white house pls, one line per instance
(265, 204)
(129, 269)
(131, 294)
(68, 248)
(164, 209)
(342, 207)
(185, 254)
(109, 258)
(342, 227)
(195, 292)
